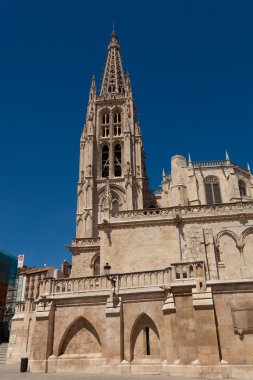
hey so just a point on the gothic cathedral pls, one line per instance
(161, 282)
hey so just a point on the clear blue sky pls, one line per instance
(191, 68)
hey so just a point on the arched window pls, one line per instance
(212, 188)
(105, 125)
(115, 205)
(105, 119)
(96, 266)
(117, 160)
(117, 118)
(242, 188)
(117, 124)
(105, 161)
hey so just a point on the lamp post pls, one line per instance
(110, 277)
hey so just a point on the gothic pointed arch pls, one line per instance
(247, 243)
(247, 232)
(117, 194)
(95, 264)
(229, 254)
(144, 339)
(80, 338)
(232, 234)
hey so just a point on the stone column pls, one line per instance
(169, 311)
(114, 346)
(206, 334)
(42, 339)
(185, 326)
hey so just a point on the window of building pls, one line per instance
(115, 205)
(105, 125)
(117, 130)
(217, 254)
(96, 266)
(147, 341)
(117, 160)
(105, 130)
(117, 118)
(117, 124)
(105, 161)
(105, 118)
(212, 188)
(242, 188)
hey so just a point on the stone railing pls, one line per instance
(80, 242)
(20, 307)
(53, 286)
(111, 95)
(210, 163)
(183, 210)
(188, 270)
(147, 278)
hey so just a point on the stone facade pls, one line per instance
(180, 299)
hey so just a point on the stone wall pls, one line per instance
(138, 248)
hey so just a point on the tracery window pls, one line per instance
(117, 124)
(115, 205)
(242, 188)
(106, 118)
(105, 161)
(96, 266)
(212, 188)
(105, 125)
(117, 160)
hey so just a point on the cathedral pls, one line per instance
(161, 282)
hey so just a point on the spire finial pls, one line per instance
(248, 167)
(189, 160)
(163, 173)
(114, 81)
(93, 88)
(227, 156)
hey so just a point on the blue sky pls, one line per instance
(191, 69)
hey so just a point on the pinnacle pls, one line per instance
(113, 78)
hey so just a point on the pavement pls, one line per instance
(12, 372)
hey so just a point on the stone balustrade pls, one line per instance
(20, 307)
(147, 278)
(181, 271)
(210, 163)
(190, 270)
(173, 212)
(76, 242)
(53, 286)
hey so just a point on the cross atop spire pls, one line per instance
(114, 79)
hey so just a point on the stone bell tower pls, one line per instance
(111, 151)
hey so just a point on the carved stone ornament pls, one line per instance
(242, 321)
(211, 179)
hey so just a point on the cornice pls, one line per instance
(186, 214)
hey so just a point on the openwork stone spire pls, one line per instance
(114, 78)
